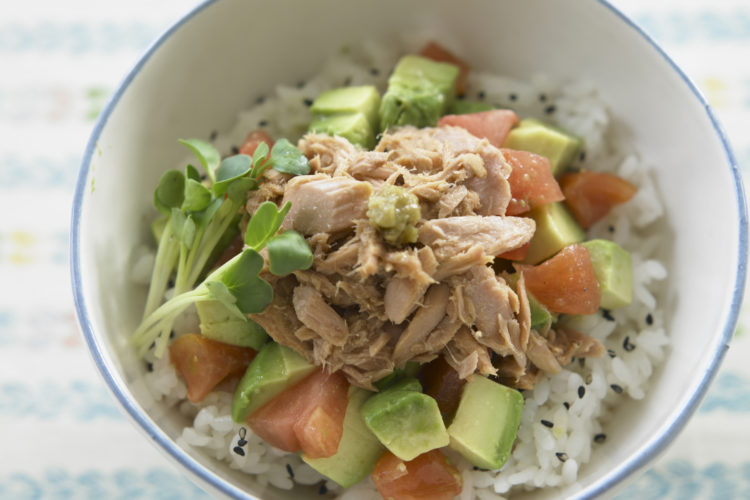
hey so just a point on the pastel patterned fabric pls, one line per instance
(61, 432)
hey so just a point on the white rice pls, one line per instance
(578, 399)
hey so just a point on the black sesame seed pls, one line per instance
(542, 97)
(374, 71)
(263, 123)
(566, 405)
(480, 95)
(627, 345)
(149, 366)
(581, 391)
(308, 102)
(513, 97)
(171, 334)
(562, 456)
(649, 319)
(476, 468)
(300, 84)
(611, 229)
(547, 423)
(323, 489)
(611, 353)
(213, 135)
(235, 150)
(204, 177)
(616, 388)
(550, 109)
(607, 315)
(241, 442)
(600, 438)
(290, 471)
(239, 451)
(582, 156)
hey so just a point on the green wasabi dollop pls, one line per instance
(394, 211)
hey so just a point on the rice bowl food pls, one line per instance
(565, 414)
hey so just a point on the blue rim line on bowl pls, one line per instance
(651, 450)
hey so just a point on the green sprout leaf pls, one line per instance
(206, 153)
(237, 189)
(264, 223)
(192, 173)
(288, 252)
(286, 158)
(259, 156)
(197, 196)
(170, 192)
(231, 169)
(240, 275)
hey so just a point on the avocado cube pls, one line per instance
(462, 107)
(218, 323)
(614, 271)
(540, 315)
(358, 451)
(353, 127)
(405, 421)
(349, 100)
(408, 372)
(555, 229)
(486, 422)
(419, 92)
(537, 137)
(274, 368)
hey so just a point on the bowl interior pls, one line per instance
(213, 63)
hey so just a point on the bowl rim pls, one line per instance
(205, 475)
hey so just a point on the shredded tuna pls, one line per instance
(366, 307)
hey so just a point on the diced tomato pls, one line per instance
(253, 140)
(428, 477)
(204, 363)
(517, 254)
(591, 195)
(307, 416)
(441, 381)
(493, 125)
(531, 181)
(436, 52)
(566, 283)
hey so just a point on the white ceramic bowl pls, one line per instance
(211, 63)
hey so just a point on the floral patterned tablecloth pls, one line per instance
(61, 432)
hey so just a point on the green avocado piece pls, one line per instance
(218, 323)
(555, 229)
(349, 100)
(354, 127)
(486, 422)
(410, 369)
(462, 107)
(419, 92)
(274, 368)
(614, 271)
(406, 421)
(543, 139)
(358, 451)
